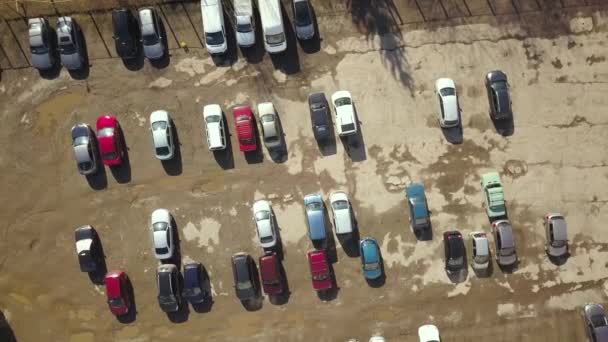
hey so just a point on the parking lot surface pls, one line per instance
(552, 158)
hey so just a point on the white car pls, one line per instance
(245, 27)
(264, 223)
(346, 123)
(428, 333)
(162, 234)
(214, 127)
(340, 208)
(377, 339)
(481, 251)
(448, 102)
(162, 135)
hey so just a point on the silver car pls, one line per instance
(303, 20)
(557, 236)
(70, 43)
(596, 323)
(84, 143)
(481, 251)
(41, 47)
(505, 243)
(152, 40)
(271, 130)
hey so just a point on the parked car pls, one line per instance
(272, 280)
(319, 270)
(213, 26)
(505, 243)
(264, 223)
(125, 32)
(246, 282)
(245, 23)
(151, 37)
(481, 251)
(428, 333)
(319, 115)
(448, 103)
(556, 233)
(377, 339)
(346, 122)
(195, 290)
(84, 143)
(271, 128)
(110, 141)
(596, 324)
(162, 135)
(315, 217)
(69, 38)
(167, 280)
(213, 121)
(498, 95)
(162, 234)
(340, 208)
(117, 292)
(419, 210)
(454, 251)
(370, 258)
(494, 195)
(243, 120)
(42, 45)
(88, 248)
(302, 17)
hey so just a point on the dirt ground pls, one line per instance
(552, 159)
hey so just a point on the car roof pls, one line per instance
(240, 263)
(191, 274)
(159, 115)
(602, 333)
(481, 244)
(268, 265)
(559, 229)
(35, 31)
(505, 230)
(160, 215)
(212, 110)
(370, 249)
(145, 18)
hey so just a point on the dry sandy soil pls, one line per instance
(553, 158)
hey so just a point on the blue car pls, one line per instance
(315, 217)
(419, 211)
(370, 258)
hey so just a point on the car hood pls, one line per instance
(81, 153)
(161, 215)
(153, 51)
(305, 31)
(482, 246)
(83, 245)
(71, 61)
(428, 333)
(41, 61)
(316, 224)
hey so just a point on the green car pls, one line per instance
(494, 195)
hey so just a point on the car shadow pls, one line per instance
(165, 60)
(350, 243)
(459, 276)
(231, 55)
(176, 258)
(205, 306)
(454, 135)
(131, 316)
(380, 281)
(282, 298)
(505, 127)
(509, 268)
(99, 179)
(288, 61)
(279, 154)
(330, 294)
(328, 146)
(255, 53)
(424, 234)
(256, 156)
(256, 303)
(559, 261)
(486, 273)
(82, 73)
(181, 315)
(329, 244)
(313, 44)
(97, 277)
(55, 70)
(225, 157)
(122, 172)
(6, 332)
(278, 247)
(354, 145)
(173, 166)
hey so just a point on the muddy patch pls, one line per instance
(595, 59)
(55, 110)
(480, 122)
(515, 168)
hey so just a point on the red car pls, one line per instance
(110, 142)
(243, 120)
(271, 274)
(319, 269)
(117, 291)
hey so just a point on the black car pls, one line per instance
(319, 115)
(88, 248)
(167, 279)
(498, 95)
(246, 281)
(125, 33)
(454, 251)
(194, 290)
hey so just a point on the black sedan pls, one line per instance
(88, 249)
(454, 251)
(194, 290)
(246, 280)
(498, 95)
(319, 115)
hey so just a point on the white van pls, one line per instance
(214, 127)
(245, 27)
(213, 26)
(272, 26)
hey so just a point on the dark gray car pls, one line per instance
(151, 38)
(84, 143)
(70, 42)
(498, 95)
(505, 243)
(167, 279)
(246, 281)
(596, 324)
(194, 290)
(302, 15)
(41, 44)
(319, 115)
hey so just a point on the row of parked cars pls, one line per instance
(145, 33)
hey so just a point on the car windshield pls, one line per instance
(455, 261)
(159, 125)
(421, 221)
(150, 39)
(85, 166)
(447, 92)
(262, 215)
(271, 281)
(302, 16)
(105, 132)
(348, 127)
(167, 299)
(343, 101)
(268, 118)
(241, 118)
(598, 320)
(340, 205)
(275, 38)
(244, 28)
(493, 185)
(314, 206)
(109, 156)
(162, 151)
(39, 49)
(159, 226)
(482, 259)
(212, 119)
(499, 207)
(81, 141)
(163, 250)
(500, 85)
(265, 239)
(371, 266)
(320, 276)
(244, 285)
(214, 38)
(507, 251)
(558, 243)
(116, 302)
(192, 291)
(66, 46)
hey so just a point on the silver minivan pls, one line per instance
(70, 42)
(505, 243)
(557, 236)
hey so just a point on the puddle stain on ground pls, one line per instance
(53, 111)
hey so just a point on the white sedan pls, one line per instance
(448, 102)
(346, 122)
(428, 333)
(162, 234)
(162, 135)
(264, 223)
(340, 207)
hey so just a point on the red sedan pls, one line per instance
(117, 292)
(110, 142)
(243, 120)
(271, 273)
(319, 269)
